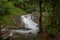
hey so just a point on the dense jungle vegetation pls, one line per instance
(49, 13)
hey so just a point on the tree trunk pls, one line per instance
(40, 20)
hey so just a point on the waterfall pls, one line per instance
(29, 24)
(27, 20)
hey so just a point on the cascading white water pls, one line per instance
(28, 24)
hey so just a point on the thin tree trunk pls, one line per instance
(40, 20)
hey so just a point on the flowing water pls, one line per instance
(27, 20)
(29, 24)
(32, 29)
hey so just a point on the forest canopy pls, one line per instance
(17, 6)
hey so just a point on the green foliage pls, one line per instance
(52, 31)
(16, 11)
(16, 7)
(50, 21)
(5, 20)
(4, 9)
(26, 5)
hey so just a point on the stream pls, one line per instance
(29, 24)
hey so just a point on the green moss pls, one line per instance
(5, 20)
(16, 11)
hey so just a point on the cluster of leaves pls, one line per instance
(26, 5)
(16, 7)
(50, 15)
(7, 7)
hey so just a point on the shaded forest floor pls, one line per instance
(44, 36)
(41, 36)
